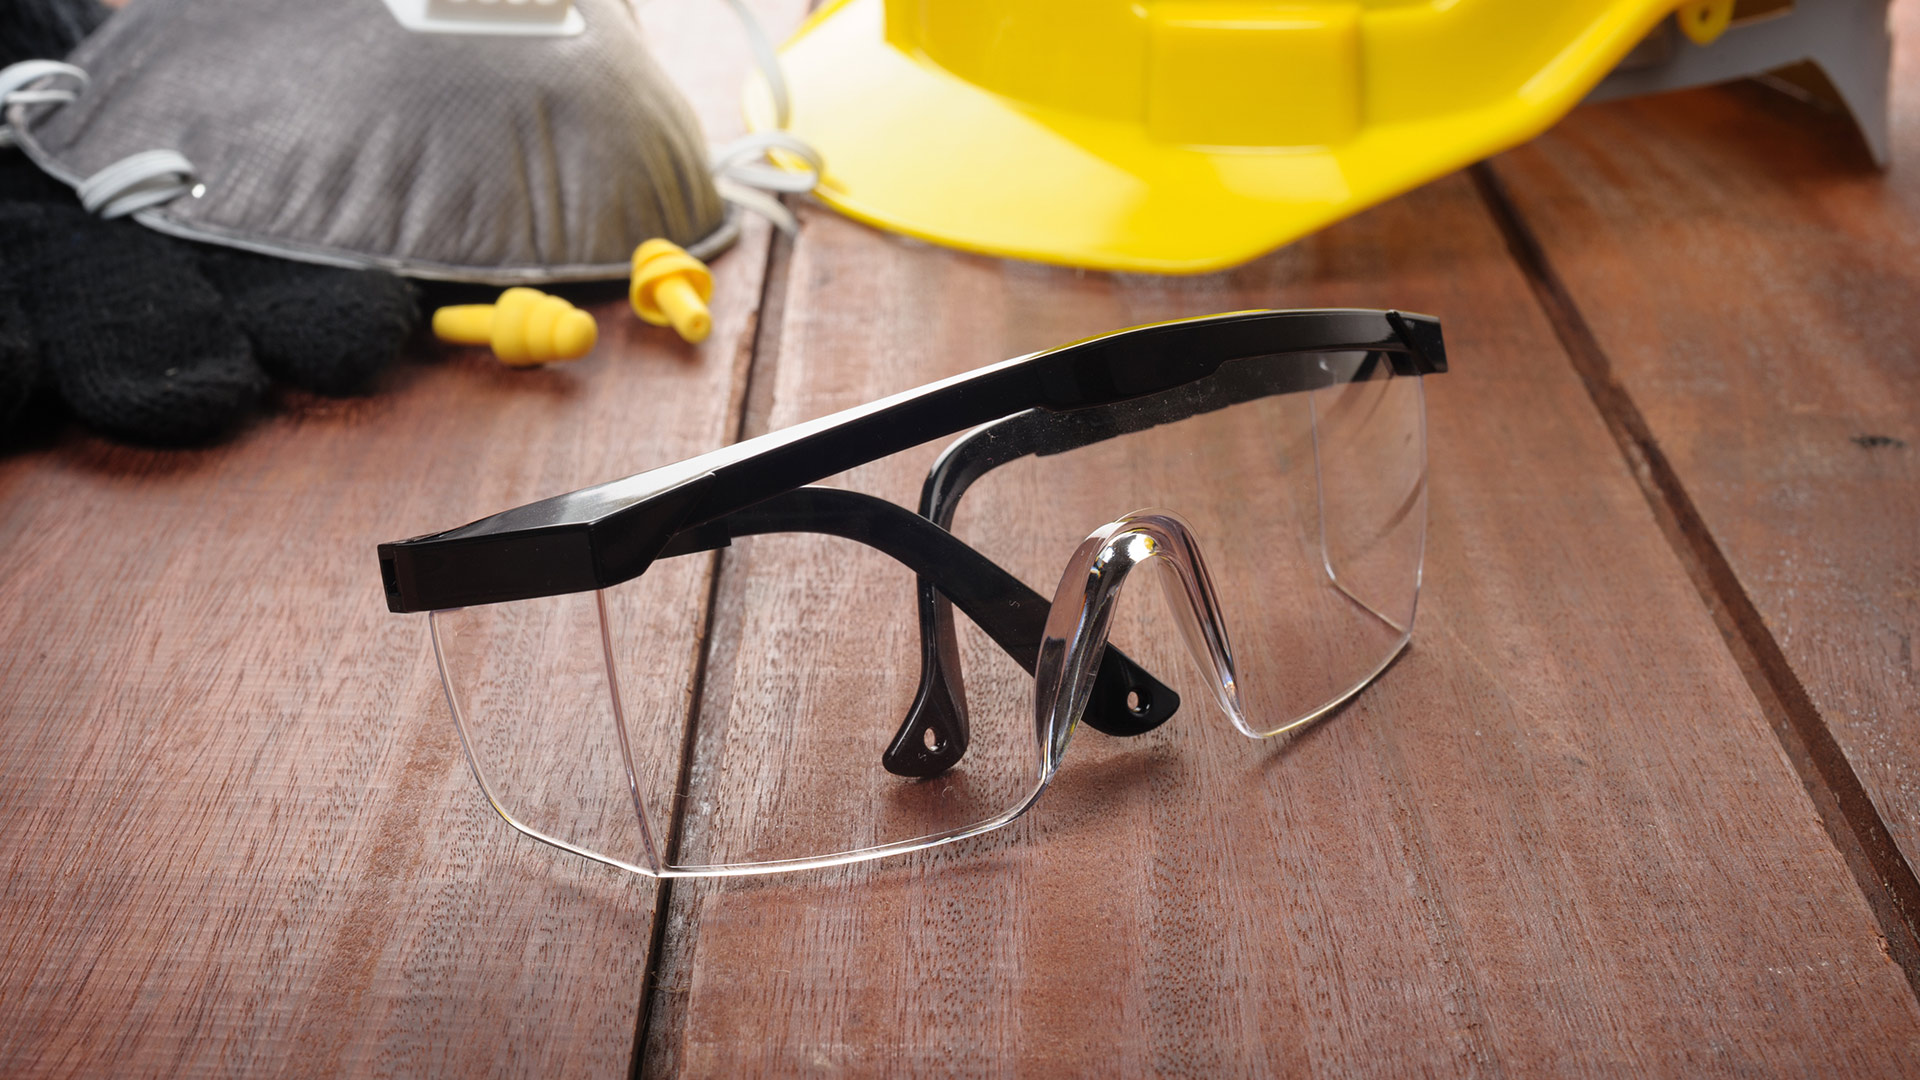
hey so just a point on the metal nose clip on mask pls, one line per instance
(330, 133)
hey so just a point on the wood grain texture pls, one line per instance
(1556, 837)
(238, 834)
(1752, 282)
(238, 829)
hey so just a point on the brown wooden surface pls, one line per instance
(238, 833)
(1755, 285)
(237, 827)
(1559, 836)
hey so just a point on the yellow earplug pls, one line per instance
(1704, 20)
(525, 328)
(671, 287)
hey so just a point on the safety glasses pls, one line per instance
(1269, 467)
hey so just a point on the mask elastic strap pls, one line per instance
(133, 183)
(766, 60)
(747, 170)
(14, 80)
(136, 182)
(746, 178)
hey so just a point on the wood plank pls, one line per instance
(238, 832)
(1557, 836)
(1751, 279)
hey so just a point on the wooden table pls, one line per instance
(1644, 797)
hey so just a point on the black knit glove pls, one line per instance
(152, 339)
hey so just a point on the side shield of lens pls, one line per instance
(1371, 460)
(539, 719)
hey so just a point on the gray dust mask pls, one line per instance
(322, 130)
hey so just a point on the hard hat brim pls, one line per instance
(912, 148)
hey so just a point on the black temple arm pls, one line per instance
(1010, 613)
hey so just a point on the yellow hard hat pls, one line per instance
(1175, 136)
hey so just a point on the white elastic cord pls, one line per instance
(760, 202)
(766, 60)
(132, 183)
(741, 169)
(136, 182)
(743, 161)
(746, 179)
(14, 79)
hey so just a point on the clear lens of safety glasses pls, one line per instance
(556, 696)
(843, 713)
(1310, 508)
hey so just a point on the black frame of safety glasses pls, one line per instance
(1047, 403)
(602, 536)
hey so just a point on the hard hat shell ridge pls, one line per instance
(1173, 136)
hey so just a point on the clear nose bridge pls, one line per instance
(1082, 616)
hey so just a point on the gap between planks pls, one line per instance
(751, 402)
(1846, 812)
